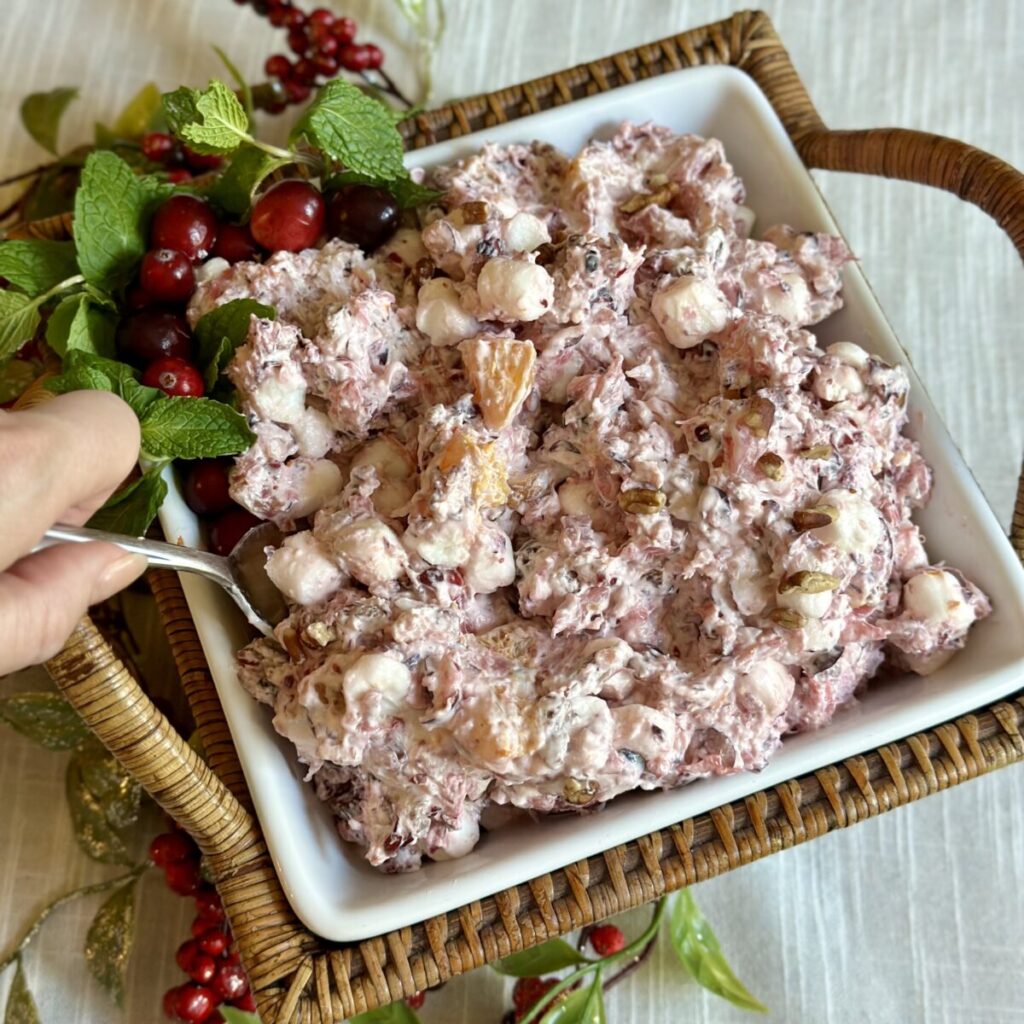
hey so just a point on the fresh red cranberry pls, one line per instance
(203, 969)
(527, 991)
(158, 147)
(179, 176)
(374, 55)
(229, 529)
(304, 71)
(607, 940)
(201, 161)
(193, 1003)
(296, 92)
(186, 954)
(230, 982)
(289, 216)
(416, 1000)
(183, 877)
(344, 30)
(209, 906)
(167, 275)
(137, 298)
(186, 223)
(354, 57)
(298, 42)
(362, 214)
(175, 377)
(278, 66)
(206, 493)
(170, 848)
(153, 334)
(246, 1002)
(236, 244)
(214, 941)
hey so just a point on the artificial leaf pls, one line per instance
(698, 949)
(19, 318)
(351, 128)
(220, 123)
(35, 265)
(543, 959)
(234, 188)
(102, 797)
(243, 85)
(141, 114)
(193, 428)
(15, 377)
(232, 1015)
(393, 1013)
(78, 323)
(52, 194)
(41, 113)
(21, 1007)
(45, 718)
(119, 794)
(108, 944)
(584, 1006)
(133, 507)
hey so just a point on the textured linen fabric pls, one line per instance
(915, 916)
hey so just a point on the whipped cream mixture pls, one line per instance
(577, 504)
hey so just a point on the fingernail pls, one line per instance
(118, 575)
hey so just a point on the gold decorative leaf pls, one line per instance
(102, 798)
(45, 718)
(108, 945)
(21, 1007)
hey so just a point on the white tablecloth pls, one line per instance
(915, 916)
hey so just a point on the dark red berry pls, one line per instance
(170, 996)
(170, 848)
(183, 877)
(229, 529)
(214, 941)
(186, 954)
(304, 71)
(167, 275)
(201, 161)
(179, 176)
(206, 493)
(230, 982)
(278, 16)
(137, 298)
(319, 33)
(344, 30)
(374, 55)
(200, 926)
(289, 216)
(236, 244)
(527, 991)
(277, 107)
(278, 66)
(354, 57)
(158, 147)
(325, 64)
(295, 18)
(298, 42)
(362, 214)
(321, 16)
(607, 939)
(208, 902)
(416, 1000)
(175, 377)
(186, 223)
(247, 1003)
(153, 334)
(203, 969)
(193, 1003)
(296, 91)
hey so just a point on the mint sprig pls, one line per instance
(35, 265)
(219, 332)
(193, 428)
(80, 322)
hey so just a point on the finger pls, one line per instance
(61, 457)
(44, 595)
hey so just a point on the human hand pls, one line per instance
(59, 461)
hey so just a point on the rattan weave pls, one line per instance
(299, 977)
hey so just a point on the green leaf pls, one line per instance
(543, 959)
(41, 113)
(45, 718)
(393, 1013)
(243, 85)
(407, 192)
(108, 944)
(180, 108)
(584, 1006)
(84, 371)
(133, 507)
(698, 949)
(78, 323)
(15, 377)
(53, 193)
(111, 216)
(36, 265)
(222, 330)
(141, 114)
(234, 188)
(350, 128)
(19, 318)
(193, 428)
(235, 1016)
(219, 124)
(21, 1007)
(102, 797)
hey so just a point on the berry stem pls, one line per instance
(14, 178)
(632, 965)
(68, 897)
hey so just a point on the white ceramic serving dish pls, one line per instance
(332, 889)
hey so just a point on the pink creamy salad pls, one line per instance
(577, 504)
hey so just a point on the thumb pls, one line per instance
(43, 595)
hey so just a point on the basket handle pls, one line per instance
(972, 174)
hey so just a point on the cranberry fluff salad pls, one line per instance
(575, 502)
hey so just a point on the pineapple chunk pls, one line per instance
(500, 371)
(490, 476)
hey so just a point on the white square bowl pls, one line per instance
(331, 888)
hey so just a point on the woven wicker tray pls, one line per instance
(297, 976)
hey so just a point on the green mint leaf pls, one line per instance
(111, 216)
(228, 323)
(101, 798)
(393, 1013)
(243, 85)
(108, 943)
(180, 108)
(45, 718)
(41, 113)
(234, 188)
(19, 318)
(193, 428)
(349, 127)
(220, 123)
(36, 265)
(131, 509)
(407, 192)
(78, 323)
(584, 1006)
(143, 113)
(698, 950)
(543, 959)
(217, 359)
(21, 1007)
(84, 371)
(232, 1015)
(15, 377)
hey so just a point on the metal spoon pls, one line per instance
(242, 574)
